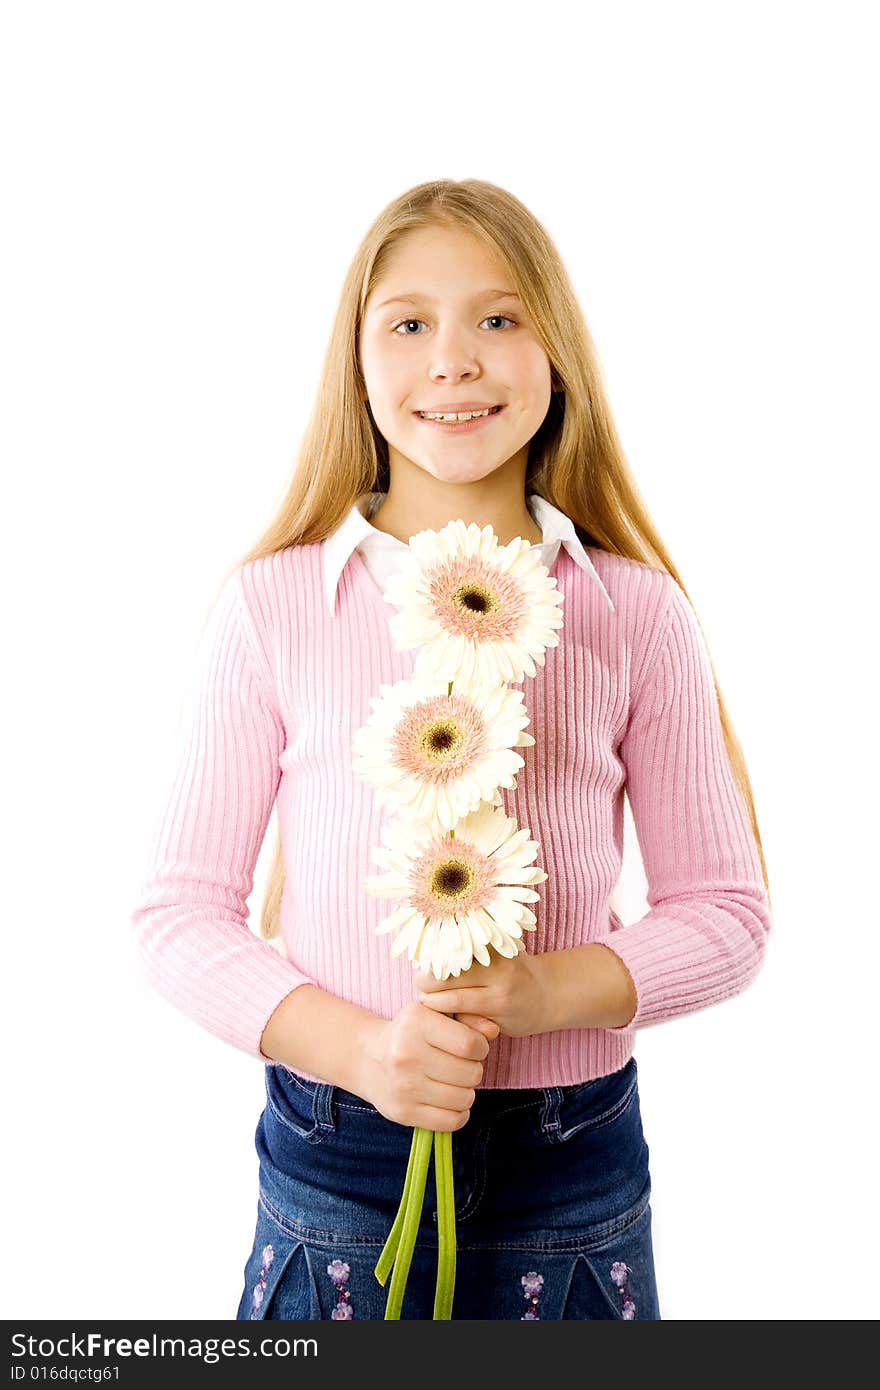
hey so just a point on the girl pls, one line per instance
(456, 301)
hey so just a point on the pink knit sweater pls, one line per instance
(626, 701)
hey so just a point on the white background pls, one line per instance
(184, 187)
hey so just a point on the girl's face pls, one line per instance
(443, 330)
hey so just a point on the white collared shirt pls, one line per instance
(381, 552)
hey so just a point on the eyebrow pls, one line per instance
(413, 298)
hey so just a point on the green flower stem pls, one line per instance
(410, 1228)
(386, 1259)
(446, 1225)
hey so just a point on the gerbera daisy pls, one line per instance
(477, 609)
(461, 892)
(435, 754)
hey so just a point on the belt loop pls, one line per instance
(550, 1112)
(322, 1112)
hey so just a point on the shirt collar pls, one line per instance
(558, 529)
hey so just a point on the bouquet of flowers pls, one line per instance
(438, 748)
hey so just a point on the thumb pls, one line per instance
(487, 1026)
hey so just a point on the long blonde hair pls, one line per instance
(575, 459)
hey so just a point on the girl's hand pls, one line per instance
(420, 1069)
(508, 991)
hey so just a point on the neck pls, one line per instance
(416, 501)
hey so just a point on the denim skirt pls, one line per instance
(552, 1209)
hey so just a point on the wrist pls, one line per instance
(586, 987)
(319, 1033)
(366, 1056)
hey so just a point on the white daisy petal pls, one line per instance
(394, 920)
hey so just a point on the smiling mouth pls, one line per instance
(458, 421)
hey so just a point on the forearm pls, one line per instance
(319, 1033)
(586, 987)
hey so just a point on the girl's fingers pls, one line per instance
(487, 1026)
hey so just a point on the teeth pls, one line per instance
(461, 415)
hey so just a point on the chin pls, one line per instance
(462, 474)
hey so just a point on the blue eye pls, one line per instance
(404, 322)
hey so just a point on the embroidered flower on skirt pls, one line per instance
(260, 1286)
(339, 1272)
(619, 1273)
(532, 1284)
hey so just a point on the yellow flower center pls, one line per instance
(452, 879)
(476, 598)
(442, 739)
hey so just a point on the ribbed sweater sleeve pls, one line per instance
(705, 936)
(190, 921)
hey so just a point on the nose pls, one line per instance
(454, 358)
(450, 369)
